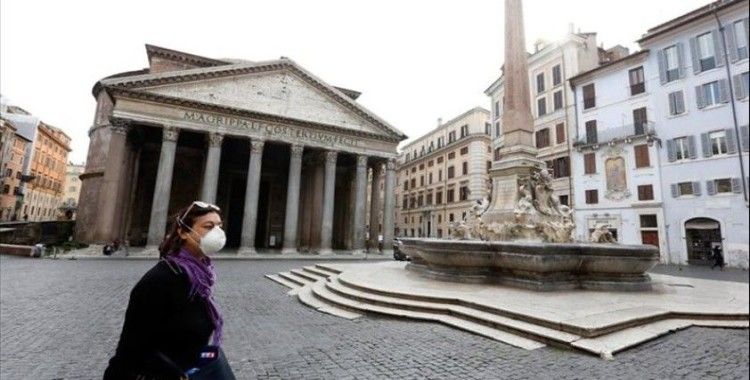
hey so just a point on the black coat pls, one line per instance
(160, 318)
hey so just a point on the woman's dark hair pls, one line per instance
(185, 217)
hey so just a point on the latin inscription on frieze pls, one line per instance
(272, 131)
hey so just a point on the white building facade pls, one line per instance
(616, 156)
(550, 67)
(701, 119)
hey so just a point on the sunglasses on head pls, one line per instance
(198, 204)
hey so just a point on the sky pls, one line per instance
(414, 61)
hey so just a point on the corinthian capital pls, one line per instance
(119, 126)
(215, 139)
(390, 164)
(170, 133)
(331, 157)
(361, 161)
(256, 146)
(297, 150)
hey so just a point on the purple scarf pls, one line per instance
(202, 278)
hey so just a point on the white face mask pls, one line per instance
(213, 241)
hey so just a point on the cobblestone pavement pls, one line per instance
(60, 319)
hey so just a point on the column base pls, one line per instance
(289, 251)
(359, 253)
(247, 251)
(325, 252)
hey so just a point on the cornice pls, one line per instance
(443, 149)
(163, 99)
(175, 55)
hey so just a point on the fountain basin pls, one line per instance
(534, 265)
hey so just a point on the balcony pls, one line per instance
(611, 135)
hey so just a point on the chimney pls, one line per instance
(571, 28)
(440, 121)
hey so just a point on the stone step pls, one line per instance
(515, 326)
(307, 275)
(305, 295)
(301, 281)
(320, 272)
(327, 268)
(608, 345)
(278, 279)
(322, 292)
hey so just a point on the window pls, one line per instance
(6, 189)
(740, 38)
(451, 218)
(591, 137)
(564, 200)
(429, 199)
(560, 133)
(440, 160)
(542, 138)
(451, 155)
(648, 221)
(439, 197)
(440, 175)
(637, 82)
(708, 94)
(556, 75)
(640, 119)
(464, 151)
(686, 188)
(497, 129)
(641, 156)
(706, 53)
(497, 108)
(676, 103)
(421, 166)
(463, 193)
(589, 96)
(645, 193)
(540, 83)
(451, 172)
(430, 164)
(421, 180)
(488, 129)
(672, 63)
(592, 197)
(413, 183)
(681, 149)
(450, 197)
(497, 154)
(557, 100)
(464, 131)
(741, 83)
(541, 106)
(465, 168)
(718, 141)
(589, 163)
(561, 167)
(719, 186)
(440, 142)
(451, 137)
(429, 181)
(420, 200)
(405, 205)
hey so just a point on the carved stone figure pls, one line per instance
(602, 234)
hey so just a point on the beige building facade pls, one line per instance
(442, 173)
(71, 189)
(552, 102)
(48, 167)
(285, 155)
(13, 149)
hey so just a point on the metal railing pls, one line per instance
(605, 135)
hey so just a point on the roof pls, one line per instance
(132, 81)
(26, 125)
(578, 78)
(447, 123)
(688, 18)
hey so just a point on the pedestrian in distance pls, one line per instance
(173, 327)
(718, 257)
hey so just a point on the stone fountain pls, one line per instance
(523, 236)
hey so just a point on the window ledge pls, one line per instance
(741, 61)
(679, 115)
(641, 95)
(706, 72)
(713, 106)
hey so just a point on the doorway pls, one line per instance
(701, 235)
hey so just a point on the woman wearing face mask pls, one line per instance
(172, 323)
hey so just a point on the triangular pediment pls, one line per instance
(279, 92)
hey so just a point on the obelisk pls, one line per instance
(518, 156)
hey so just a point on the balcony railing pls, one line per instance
(611, 134)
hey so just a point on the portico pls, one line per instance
(283, 154)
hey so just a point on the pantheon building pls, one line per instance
(286, 156)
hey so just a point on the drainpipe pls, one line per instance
(569, 143)
(731, 101)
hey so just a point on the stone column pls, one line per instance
(211, 174)
(388, 194)
(375, 207)
(113, 174)
(360, 200)
(292, 200)
(329, 187)
(160, 204)
(250, 215)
